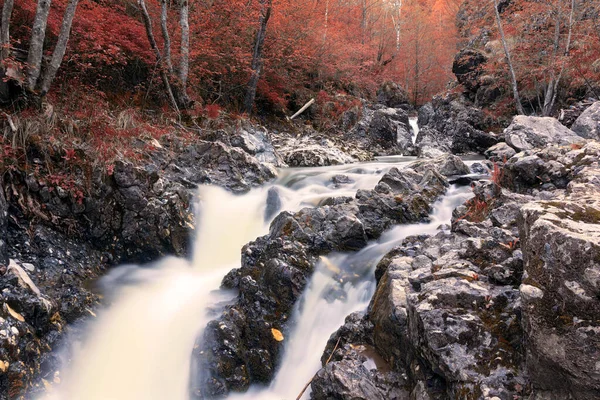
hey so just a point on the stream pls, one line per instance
(139, 345)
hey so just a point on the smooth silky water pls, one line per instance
(139, 345)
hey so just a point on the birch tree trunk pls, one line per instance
(61, 47)
(163, 70)
(36, 47)
(265, 14)
(566, 54)
(165, 34)
(513, 76)
(5, 29)
(184, 65)
(548, 103)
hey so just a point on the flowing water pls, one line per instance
(138, 347)
(414, 126)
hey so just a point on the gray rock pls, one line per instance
(392, 95)
(588, 123)
(447, 165)
(500, 152)
(561, 249)
(526, 133)
(451, 125)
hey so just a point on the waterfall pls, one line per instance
(414, 125)
(139, 346)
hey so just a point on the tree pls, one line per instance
(257, 55)
(513, 76)
(39, 82)
(175, 86)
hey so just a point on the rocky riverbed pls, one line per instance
(495, 306)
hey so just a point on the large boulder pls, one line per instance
(314, 155)
(392, 95)
(450, 125)
(446, 164)
(526, 133)
(383, 130)
(588, 123)
(389, 128)
(561, 248)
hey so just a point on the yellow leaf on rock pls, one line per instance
(277, 335)
(14, 314)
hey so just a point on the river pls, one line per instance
(139, 345)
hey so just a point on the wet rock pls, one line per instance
(339, 180)
(216, 162)
(451, 125)
(588, 123)
(526, 133)
(273, 203)
(447, 165)
(351, 379)
(254, 140)
(481, 168)
(276, 268)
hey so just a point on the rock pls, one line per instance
(526, 133)
(273, 204)
(230, 167)
(238, 348)
(561, 249)
(588, 123)
(446, 165)
(388, 127)
(500, 152)
(467, 67)
(481, 168)
(254, 141)
(392, 95)
(383, 131)
(339, 180)
(351, 379)
(450, 125)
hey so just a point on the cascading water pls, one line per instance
(327, 301)
(414, 125)
(139, 347)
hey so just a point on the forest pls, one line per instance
(279, 199)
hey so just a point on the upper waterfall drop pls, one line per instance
(414, 125)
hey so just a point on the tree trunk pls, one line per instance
(184, 65)
(36, 47)
(513, 76)
(165, 33)
(163, 70)
(265, 14)
(4, 29)
(552, 84)
(61, 47)
(567, 52)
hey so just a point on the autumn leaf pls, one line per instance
(277, 335)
